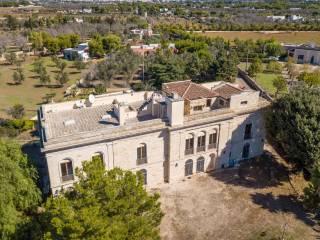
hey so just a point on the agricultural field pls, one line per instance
(283, 37)
(30, 93)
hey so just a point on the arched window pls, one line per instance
(66, 169)
(200, 164)
(189, 144)
(142, 154)
(213, 137)
(201, 142)
(98, 155)
(246, 151)
(144, 174)
(188, 167)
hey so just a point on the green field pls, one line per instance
(29, 93)
(284, 37)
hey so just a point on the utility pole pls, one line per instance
(143, 66)
(247, 60)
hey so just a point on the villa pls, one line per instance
(168, 135)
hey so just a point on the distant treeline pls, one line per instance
(13, 3)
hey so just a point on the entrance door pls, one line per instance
(312, 60)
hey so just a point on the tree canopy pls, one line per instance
(103, 205)
(19, 193)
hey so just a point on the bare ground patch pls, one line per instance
(256, 198)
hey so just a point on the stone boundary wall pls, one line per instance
(253, 84)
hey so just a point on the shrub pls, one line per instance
(100, 89)
(17, 111)
(274, 67)
(19, 124)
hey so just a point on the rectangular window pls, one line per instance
(189, 146)
(244, 103)
(197, 108)
(213, 140)
(247, 131)
(208, 102)
(142, 155)
(246, 151)
(201, 143)
(66, 171)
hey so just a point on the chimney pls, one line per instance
(120, 111)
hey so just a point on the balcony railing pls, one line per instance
(212, 145)
(142, 160)
(67, 178)
(201, 148)
(189, 151)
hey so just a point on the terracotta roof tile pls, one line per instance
(227, 90)
(188, 90)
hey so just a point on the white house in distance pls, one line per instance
(184, 129)
(276, 18)
(80, 52)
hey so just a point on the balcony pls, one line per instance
(212, 145)
(188, 151)
(67, 178)
(142, 160)
(201, 148)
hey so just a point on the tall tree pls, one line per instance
(103, 205)
(130, 64)
(11, 58)
(96, 47)
(293, 121)
(41, 70)
(255, 67)
(166, 67)
(62, 77)
(18, 76)
(111, 43)
(19, 193)
(225, 66)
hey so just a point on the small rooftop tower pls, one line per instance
(175, 109)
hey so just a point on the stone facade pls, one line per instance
(155, 143)
(303, 53)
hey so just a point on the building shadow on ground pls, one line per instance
(283, 204)
(263, 173)
(259, 172)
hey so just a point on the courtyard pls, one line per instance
(258, 200)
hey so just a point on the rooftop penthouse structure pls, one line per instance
(167, 135)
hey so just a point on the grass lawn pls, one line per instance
(286, 37)
(264, 79)
(29, 93)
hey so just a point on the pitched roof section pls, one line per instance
(227, 90)
(188, 90)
